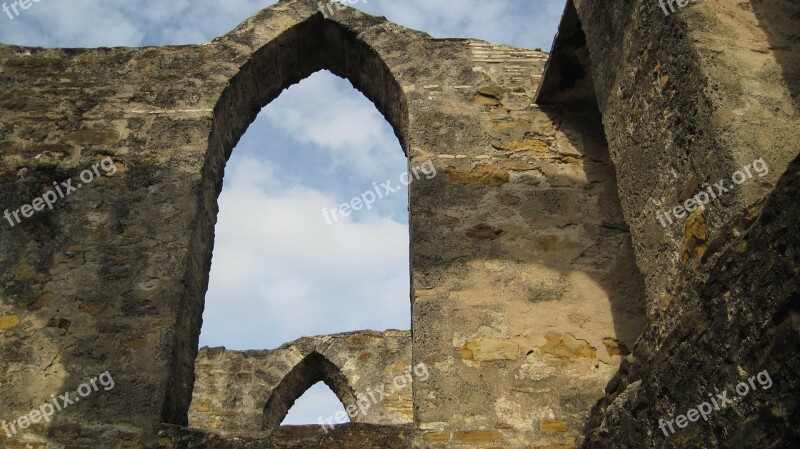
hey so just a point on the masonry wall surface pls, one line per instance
(232, 388)
(706, 91)
(522, 269)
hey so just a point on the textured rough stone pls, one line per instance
(235, 390)
(487, 350)
(704, 93)
(362, 436)
(695, 236)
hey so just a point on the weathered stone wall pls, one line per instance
(361, 436)
(522, 268)
(97, 283)
(737, 318)
(530, 278)
(232, 388)
(704, 92)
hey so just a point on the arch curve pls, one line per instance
(314, 368)
(263, 63)
(295, 54)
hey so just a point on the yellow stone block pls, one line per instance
(567, 347)
(553, 425)
(433, 437)
(8, 322)
(487, 350)
(202, 407)
(478, 435)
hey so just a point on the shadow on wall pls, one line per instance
(779, 19)
(622, 282)
(567, 95)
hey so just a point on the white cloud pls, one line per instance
(524, 23)
(330, 114)
(107, 23)
(280, 270)
(94, 23)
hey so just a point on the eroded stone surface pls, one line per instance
(232, 388)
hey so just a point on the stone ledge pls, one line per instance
(352, 435)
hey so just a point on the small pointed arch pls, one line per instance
(314, 368)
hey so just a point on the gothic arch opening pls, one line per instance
(313, 45)
(312, 369)
(287, 263)
(318, 401)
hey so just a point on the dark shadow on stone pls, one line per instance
(567, 96)
(739, 315)
(622, 282)
(569, 69)
(780, 21)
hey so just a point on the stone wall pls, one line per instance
(234, 390)
(736, 319)
(705, 92)
(361, 436)
(522, 267)
(531, 278)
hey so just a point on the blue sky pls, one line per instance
(280, 270)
